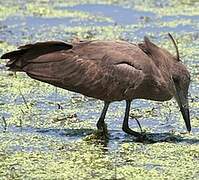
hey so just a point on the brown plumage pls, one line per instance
(107, 70)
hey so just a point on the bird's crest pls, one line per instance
(176, 47)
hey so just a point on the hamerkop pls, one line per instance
(109, 71)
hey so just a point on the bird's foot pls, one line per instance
(140, 137)
(131, 132)
(98, 137)
(102, 131)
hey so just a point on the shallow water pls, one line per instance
(119, 15)
(47, 132)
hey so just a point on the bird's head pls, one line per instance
(181, 79)
(179, 74)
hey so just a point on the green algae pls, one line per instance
(6, 11)
(161, 160)
(5, 47)
(47, 11)
(82, 160)
(44, 141)
(170, 8)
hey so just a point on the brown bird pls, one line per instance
(109, 71)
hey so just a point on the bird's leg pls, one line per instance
(125, 126)
(100, 123)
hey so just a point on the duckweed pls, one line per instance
(50, 133)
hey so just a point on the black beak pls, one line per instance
(182, 100)
(186, 117)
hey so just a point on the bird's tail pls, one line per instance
(19, 58)
(15, 62)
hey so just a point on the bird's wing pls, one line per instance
(125, 73)
(29, 52)
(103, 70)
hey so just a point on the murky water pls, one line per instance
(40, 118)
(119, 15)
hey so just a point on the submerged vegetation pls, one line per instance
(48, 133)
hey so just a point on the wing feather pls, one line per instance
(105, 70)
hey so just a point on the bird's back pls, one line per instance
(106, 70)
